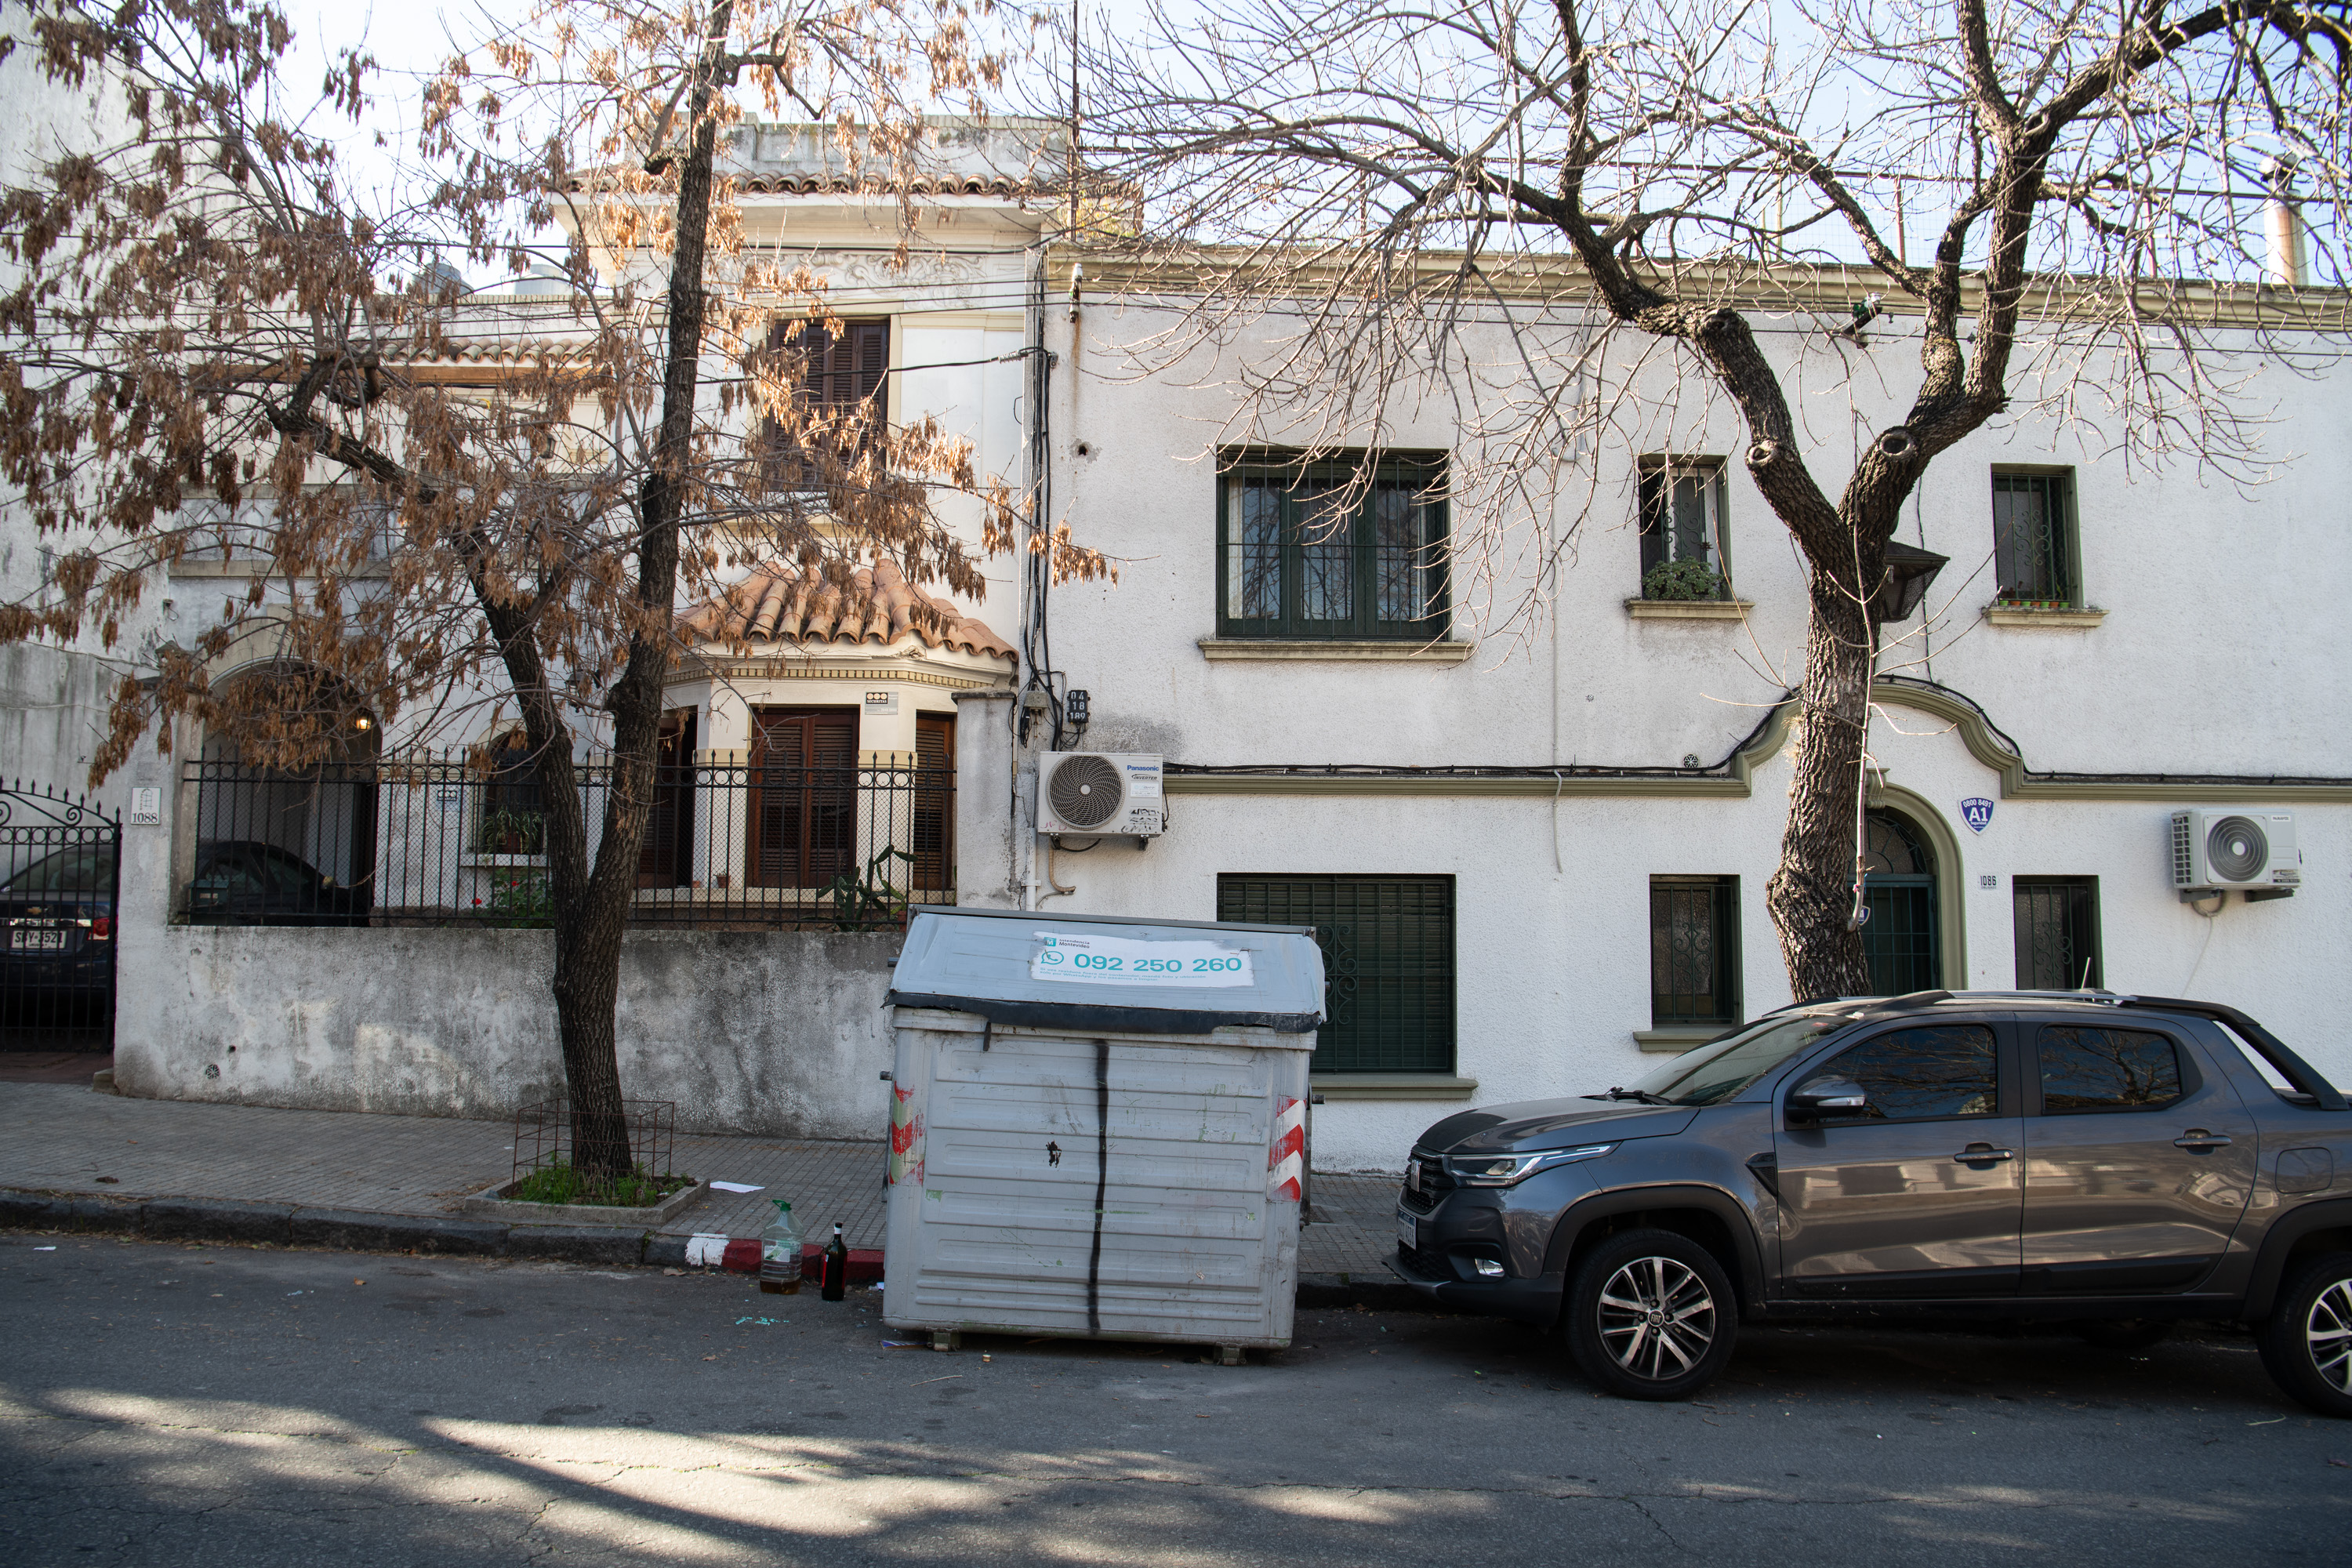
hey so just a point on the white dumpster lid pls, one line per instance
(1108, 972)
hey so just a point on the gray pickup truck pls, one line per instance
(2114, 1162)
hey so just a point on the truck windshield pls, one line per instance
(1714, 1073)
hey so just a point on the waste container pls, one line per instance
(1098, 1127)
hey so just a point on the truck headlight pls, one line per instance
(1508, 1170)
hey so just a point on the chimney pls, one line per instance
(2283, 220)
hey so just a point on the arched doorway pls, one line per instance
(1901, 939)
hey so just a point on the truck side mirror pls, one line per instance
(1827, 1095)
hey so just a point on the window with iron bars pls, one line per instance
(1683, 502)
(1341, 549)
(1388, 962)
(2057, 925)
(1693, 951)
(2033, 537)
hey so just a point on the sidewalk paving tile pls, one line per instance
(61, 1138)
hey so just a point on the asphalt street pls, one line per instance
(164, 1403)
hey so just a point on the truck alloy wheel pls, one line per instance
(1651, 1316)
(2306, 1341)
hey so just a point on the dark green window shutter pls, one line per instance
(1388, 959)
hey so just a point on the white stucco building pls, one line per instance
(1536, 852)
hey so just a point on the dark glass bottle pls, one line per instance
(836, 1267)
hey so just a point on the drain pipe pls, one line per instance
(2283, 218)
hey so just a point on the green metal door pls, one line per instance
(1898, 887)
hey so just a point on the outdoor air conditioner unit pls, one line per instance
(1100, 794)
(2235, 848)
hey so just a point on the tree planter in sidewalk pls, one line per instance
(492, 1202)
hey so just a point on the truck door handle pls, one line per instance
(2198, 1138)
(1976, 1152)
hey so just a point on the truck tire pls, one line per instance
(1651, 1316)
(2306, 1342)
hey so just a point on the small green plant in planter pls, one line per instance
(512, 833)
(560, 1184)
(860, 903)
(519, 899)
(1686, 579)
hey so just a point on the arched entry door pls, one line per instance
(1899, 886)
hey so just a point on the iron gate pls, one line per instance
(60, 861)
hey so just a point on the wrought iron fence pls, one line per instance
(58, 866)
(445, 839)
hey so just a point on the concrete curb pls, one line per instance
(350, 1230)
(354, 1230)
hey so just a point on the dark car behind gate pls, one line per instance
(60, 862)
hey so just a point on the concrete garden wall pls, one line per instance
(748, 1032)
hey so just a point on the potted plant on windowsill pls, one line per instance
(1682, 582)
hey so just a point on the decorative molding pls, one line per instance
(2077, 620)
(1951, 875)
(1284, 649)
(1689, 609)
(952, 320)
(882, 667)
(1731, 779)
(1153, 272)
(1391, 1085)
(1538, 785)
(1995, 751)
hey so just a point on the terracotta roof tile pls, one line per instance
(785, 602)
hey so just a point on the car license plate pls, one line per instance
(1408, 1233)
(32, 939)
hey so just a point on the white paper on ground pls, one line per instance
(736, 1187)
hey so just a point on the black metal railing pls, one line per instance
(437, 840)
(59, 865)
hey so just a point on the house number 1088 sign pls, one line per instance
(1091, 960)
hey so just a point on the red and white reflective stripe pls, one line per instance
(1285, 1161)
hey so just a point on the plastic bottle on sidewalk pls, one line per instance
(779, 1254)
(836, 1267)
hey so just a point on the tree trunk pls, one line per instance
(588, 929)
(1811, 894)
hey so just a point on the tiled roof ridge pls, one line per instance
(781, 602)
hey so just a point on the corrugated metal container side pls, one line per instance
(1090, 1183)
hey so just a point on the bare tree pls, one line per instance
(203, 352)
(1582, 179)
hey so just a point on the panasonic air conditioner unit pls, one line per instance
(2235, 848)
(1100, 794)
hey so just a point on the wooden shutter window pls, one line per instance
(804, 795)
(933, 872)
(665, 857)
